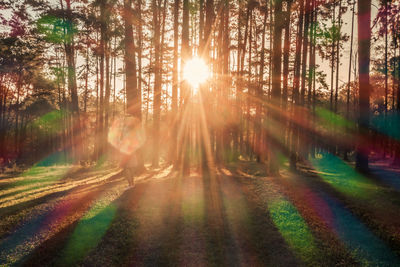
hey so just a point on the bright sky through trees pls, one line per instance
(195, 72)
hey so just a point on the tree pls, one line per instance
(364, 44)
(132, 97)
(157, 83)
(276, 82)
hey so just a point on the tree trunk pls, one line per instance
(157, 85)
(140, 49)
(276, 86)
(175, 81)
(296, 83)
(338, 55)
(72, 86)
(16, 134)
(396, 161)
(201, 26)
(364, 44)
(260, 90)
(286, 53)
(332, 54)
(311, 62)
(304, 53)
(350, 59)
(132, 96)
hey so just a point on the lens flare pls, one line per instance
(126, 135)
(195, 72)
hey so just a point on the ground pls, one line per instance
(324, 214)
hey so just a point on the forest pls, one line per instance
(249, 132)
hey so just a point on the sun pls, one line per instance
(195, 72)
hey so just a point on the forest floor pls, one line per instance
(324, 214)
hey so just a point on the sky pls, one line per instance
(343, 70)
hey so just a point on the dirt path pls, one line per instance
(190, 221)
(233, 217)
